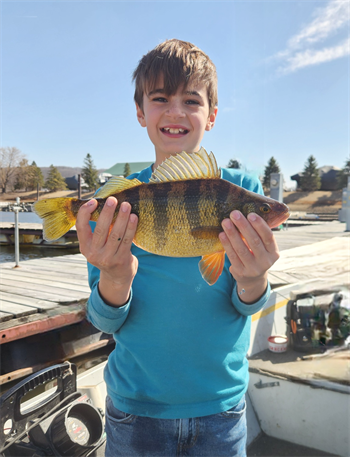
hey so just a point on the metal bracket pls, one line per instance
(260, 385)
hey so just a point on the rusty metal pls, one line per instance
(33, 328)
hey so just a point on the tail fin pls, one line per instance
(58, 214)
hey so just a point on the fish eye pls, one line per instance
(265, 208)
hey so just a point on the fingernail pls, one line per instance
(110, 201)
(133, 218)
(252, 217)
(236, 215)
(226, 223)
(90, 203)
(124, 207)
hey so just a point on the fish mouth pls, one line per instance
(280, 219)
(180, 131)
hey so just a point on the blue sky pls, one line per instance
(283, 69)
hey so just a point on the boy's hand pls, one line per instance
(250, 259)
(110, 250)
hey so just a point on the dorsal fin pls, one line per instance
(115, 185)
(184, 166)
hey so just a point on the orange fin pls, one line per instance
(211, 266)
(204, 233)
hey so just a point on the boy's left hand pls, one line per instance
(250, 259)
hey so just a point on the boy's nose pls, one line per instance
(175, 110)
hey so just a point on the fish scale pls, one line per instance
(179, 211)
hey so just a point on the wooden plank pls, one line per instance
(59, 310)
(5, 316)
(39, 284)
(42, 305)
(41, 281)
(65, 278)
(17, 310)
(52, 295)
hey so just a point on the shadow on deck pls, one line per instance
(266, 446)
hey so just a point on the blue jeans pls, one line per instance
(222, 434)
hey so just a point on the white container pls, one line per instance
(278, 343)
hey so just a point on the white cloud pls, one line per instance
(300, 51)
(313, 57)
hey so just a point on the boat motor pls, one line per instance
(63, 423)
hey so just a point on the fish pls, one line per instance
(179, 211)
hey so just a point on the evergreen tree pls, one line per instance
(343, 174)
(90, 173)
(233, 163)
(310, 179)
(55, 180)
(127, 170)
(272, 167)
(35, 177)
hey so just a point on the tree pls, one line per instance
(233, 163)
(310, 179)
(36, 176)
(55, 180)
(10, 158)
(343, 174)
(127, 170)
(272, 167)
(22, 175)
(90, 173)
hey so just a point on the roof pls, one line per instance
(118, 168)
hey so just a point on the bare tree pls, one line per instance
(10, 158)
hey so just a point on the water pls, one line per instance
(7, 253)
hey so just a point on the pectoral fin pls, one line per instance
(211, 266)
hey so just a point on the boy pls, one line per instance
(177, 377)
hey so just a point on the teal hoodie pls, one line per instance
(180, 344)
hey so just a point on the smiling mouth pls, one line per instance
(174, 131)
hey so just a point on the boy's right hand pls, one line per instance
(110, 250)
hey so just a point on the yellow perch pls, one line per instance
(180, 210)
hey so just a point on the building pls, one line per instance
(328, 175)
(118, 168)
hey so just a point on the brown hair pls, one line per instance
(180, 62)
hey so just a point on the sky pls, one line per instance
(283, 71)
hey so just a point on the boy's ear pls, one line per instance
(140, 116)
(211, 119)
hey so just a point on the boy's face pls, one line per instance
(177, 122)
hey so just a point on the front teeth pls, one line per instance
(174, 131)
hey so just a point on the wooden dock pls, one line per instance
(46, 295)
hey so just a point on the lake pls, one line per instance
(7, 253)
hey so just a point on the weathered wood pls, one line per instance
(41, 305)
(17, 310)
(52, 295)
(64, 278)
(16, 276)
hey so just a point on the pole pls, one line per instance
(348, 207)
(16, 208)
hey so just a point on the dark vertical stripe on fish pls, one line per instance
(160, 222)
(192, 193)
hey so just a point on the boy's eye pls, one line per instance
(160, 99)
(192, 102)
